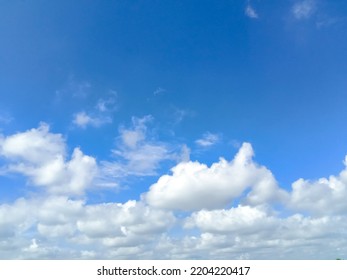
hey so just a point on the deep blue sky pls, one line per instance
(271, 73)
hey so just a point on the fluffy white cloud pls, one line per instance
(59, 176)
(303, 9)
(194, 186)
(123, 224)
(321, 197)
(41, 156)
(240, 220)
(34, 146)
(207, 140)
(14, 218)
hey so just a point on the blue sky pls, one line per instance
(189, 123)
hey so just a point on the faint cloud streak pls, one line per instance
(251, 12)
(303, 9)
(82, 119)
(207, 140)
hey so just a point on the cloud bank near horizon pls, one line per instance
(230, 209)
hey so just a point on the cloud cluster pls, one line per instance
(325, 196)
(193, 185)
(231, 209)
(34, 228)
(254, 233)
(41, 157)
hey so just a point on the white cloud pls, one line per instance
(33, 228)
(60, 176)
(240, 220)
(303, 9)
(251, 12)
(35, 146)
(184, 156)
(136, 153)
(123, 221)
(14, 218)
(41, 156)
(307, 222)
(208, 139)
(194, 186)
(321, 197)
(82, 119)
(137, 133)
(253, 233)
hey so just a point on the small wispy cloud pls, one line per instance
(159, 91)
(180, 114)
(5, 119)
(82, 120)
(107, 104)
(326, 21)
(99, 115)
(207, 140)
(184, 156)
(136, 153)
(251, 12)
(303, 9)
(73, 88)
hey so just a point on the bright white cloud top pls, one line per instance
(41, 156)
(173, 129)
(194, 186)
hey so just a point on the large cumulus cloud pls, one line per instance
(194, 185)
